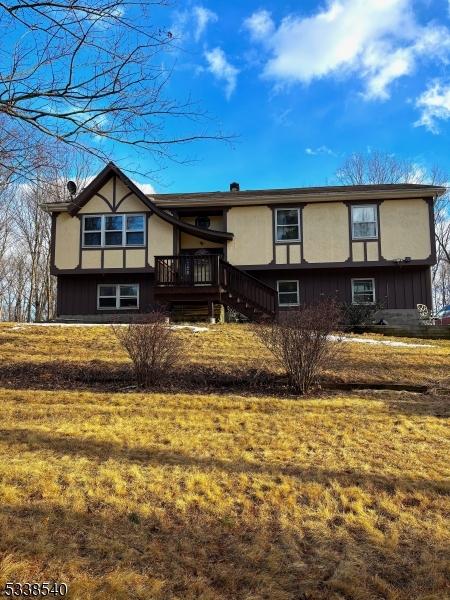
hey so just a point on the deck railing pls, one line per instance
(212, 270)
(187, 270)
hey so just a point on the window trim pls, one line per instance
(296, 281)
(118, 296)
(125, 230)
(361, 239)
(299, 225)
(374, 296)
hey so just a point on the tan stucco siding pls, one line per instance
(281, 254)
(372, 251)
(294, 254)
(91, 259)
(95, 205)
(325, 231)
(253, 235)
(404, 228)
(131, 204)
(190, 241)
(113, 259)
(67, 242)
(216, 222)
(160, 238)
(358, 251)
(135, 259)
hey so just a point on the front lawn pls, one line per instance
(223, 496)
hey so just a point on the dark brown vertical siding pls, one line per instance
(396, 287)
(77, 294)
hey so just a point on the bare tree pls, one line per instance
(301, 341)
(378, 168)
(79, 71)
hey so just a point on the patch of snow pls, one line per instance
(193, 328)
(378, 342)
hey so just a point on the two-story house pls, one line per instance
(116, 250)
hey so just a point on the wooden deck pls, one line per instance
(211, 279)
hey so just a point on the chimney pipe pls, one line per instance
(234, 187)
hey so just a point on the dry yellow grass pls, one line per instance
(170, 496)
(231, 347)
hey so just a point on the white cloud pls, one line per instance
(380, 40)
(260, 24)
(147, 188)
(319, 150)
(435, 106)
(203, 17)
(222, 70)
(192, 23)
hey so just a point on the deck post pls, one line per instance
(211, 316)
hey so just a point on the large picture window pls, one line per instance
(117, 296)
(363, 291)
(287, 293)
(287, 225)
(364, 222)
(113, 230)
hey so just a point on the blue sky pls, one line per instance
(302, 84)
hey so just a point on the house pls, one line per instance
(117, 251)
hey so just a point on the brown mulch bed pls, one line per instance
(104, 376)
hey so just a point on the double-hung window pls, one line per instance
(288, 293)
(118, 296)
(287, 225)
(363, 291)
(113, 230)
(364, 222)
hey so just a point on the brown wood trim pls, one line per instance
(127, 195)
(147, 221)
(53, 239)
(339, 265)
(430, 202)
(349, 204)
(380, 256)
(105, 199)
(115, 271)
(225, 225)
(112, 170)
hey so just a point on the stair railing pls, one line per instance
(248, 288)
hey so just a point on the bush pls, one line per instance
(355, 315)
(152, 346)
(301, 341)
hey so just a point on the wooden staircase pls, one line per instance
(209, 278)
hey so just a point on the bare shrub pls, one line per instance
(153, 347)
(301, 341)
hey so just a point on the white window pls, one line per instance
(363, 291)
(287, 225)
(117, 296)
(364, 222)
(287, 293)
(113, 230)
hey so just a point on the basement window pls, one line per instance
(287, 225)
(364, 222)
(288, 293)
(113, 230)
(363, 291)
(117, 296)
